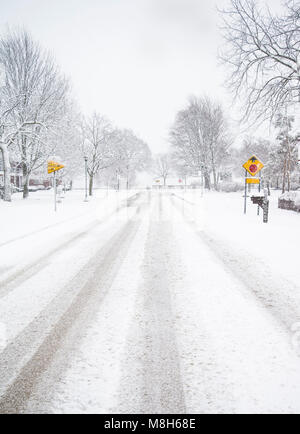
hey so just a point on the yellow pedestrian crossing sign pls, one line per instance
(253, 165)
(54, 167)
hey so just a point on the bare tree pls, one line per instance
(68, 144)
(287, 149)
(162, 166)
(215, 136)
(97, 145)
(33, 80)
(133, 155)
(200, 138)
(180, 166)
(5, 141)
(187, 140)
(262, 52)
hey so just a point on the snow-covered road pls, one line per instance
(143, 309)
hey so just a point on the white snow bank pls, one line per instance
(294, 196)
(22, 217)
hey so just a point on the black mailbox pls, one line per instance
(258, 200)
(262, 202)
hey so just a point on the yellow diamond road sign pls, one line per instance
(253, 166)
(53, 166)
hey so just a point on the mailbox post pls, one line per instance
(266, 206)
(263, 202)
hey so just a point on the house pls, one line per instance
(16, 177)
(176, 183)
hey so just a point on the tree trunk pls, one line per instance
(215, 179)
(289, 171)
(268, 187)
(25, 181)
(118, 182)
(6, 170)
(284, 176)
(91, 184)
(207, 181)
(214, 167)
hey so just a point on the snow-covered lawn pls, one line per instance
(232, 342)
(265, 256)
(22, 217)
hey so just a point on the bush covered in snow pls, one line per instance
(295, 185)
(231, 186)
(290, 200)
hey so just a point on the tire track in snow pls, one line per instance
(62, 324)
(10, 283)
(151, 380)
(266, 287)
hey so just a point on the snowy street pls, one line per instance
(149, 210)
(149, 301)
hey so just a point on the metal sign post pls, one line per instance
(245, 201)
(54, 185)
(53, 167)
(259, 189)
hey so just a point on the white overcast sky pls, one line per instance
(135, 61)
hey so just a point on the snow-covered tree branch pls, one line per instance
(262, 52)
(39, 92)
(200, 138)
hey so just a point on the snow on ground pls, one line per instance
(162, 301)
(31, 228)
(265, 256)
(21, 218)
(92, 381)
(230, 340)
(39, 259)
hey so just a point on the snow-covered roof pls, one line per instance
(172, 181)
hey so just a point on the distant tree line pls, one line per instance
(39, 118)
(111, 152)
(280, 156)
